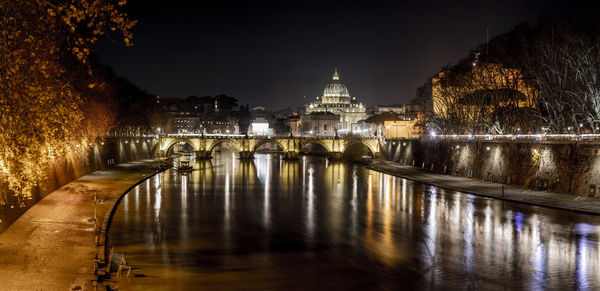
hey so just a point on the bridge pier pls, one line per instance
(203, 155)
(335, 156)
(246, 155)
(291, 155)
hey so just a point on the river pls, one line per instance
(271, 224)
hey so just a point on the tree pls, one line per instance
(379, 119)
(280, 128)
(535, 78)
(423, 96)
(354, 150)
(52, 102)
(567, 66)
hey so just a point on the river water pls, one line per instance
(271, 224)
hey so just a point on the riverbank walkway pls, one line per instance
(52, 245)
(569, 202)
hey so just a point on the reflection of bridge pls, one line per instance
(204, 145)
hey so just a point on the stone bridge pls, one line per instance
(247, 145)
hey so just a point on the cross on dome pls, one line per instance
(336, 76)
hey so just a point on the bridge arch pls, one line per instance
(232, 142)
(171, 143)
(365, 144)
(353, 145)
(266, 141)
(319, 142)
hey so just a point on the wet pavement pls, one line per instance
(51, 246)
(270, 224)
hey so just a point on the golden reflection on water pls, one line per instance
(273, 224)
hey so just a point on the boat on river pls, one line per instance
(183, 166)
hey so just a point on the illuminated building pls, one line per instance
(337, 100)
(320, 123)
(402, 109)
(260, 126)
(486, 86)
(401, 128)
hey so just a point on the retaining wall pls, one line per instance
(66, 169)
(558, 166)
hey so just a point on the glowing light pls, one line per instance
(3, 168)
(260, 127)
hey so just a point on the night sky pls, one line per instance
(273, 53)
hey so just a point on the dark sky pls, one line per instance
(272, 53)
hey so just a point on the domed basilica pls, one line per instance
(338, 101)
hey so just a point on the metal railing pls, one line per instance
(528, 137)
(233, 136)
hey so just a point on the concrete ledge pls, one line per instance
(53, 245)
(102, 242)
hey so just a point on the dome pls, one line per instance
(335, 88)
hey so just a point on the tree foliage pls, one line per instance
(280, 128)
(567, 67)
(52, 103)
(354, 149)
(379, 119)
(489, 99)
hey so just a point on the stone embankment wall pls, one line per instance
(571, 167)
(66, 169)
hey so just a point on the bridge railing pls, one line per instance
(508, 137)
(232, 136)
(525, 137)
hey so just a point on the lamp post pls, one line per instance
(158, 145)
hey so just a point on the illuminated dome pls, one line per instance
(336, 91)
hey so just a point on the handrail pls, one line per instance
(539, 137)
(233, 136)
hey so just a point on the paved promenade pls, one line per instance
(511, 193)
(51, 246)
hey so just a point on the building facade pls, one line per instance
(337, 100)
(321, 124)
(405, 128)
(401, 109)
(202, 115)
(293, 122)
(260, 126)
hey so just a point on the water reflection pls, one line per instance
(273, 224)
